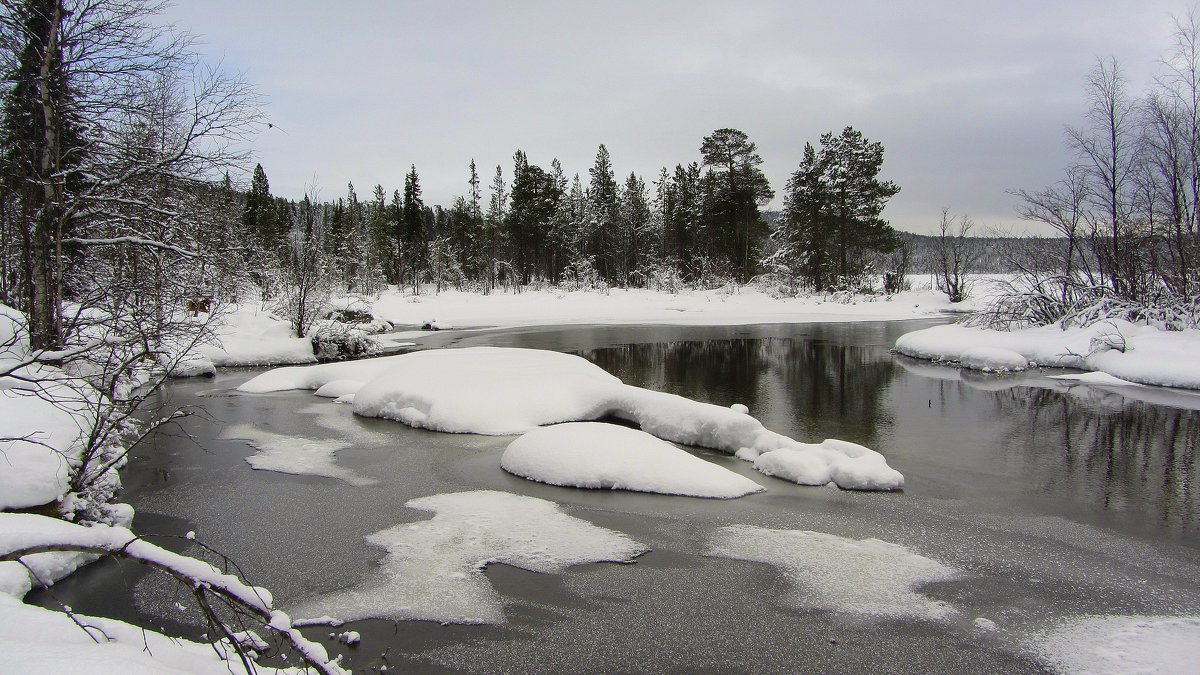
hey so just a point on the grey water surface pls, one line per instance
(1053, 500)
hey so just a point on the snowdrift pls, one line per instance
(500, 391)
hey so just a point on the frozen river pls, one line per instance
(1049, 501)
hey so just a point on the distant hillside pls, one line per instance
(996, 253)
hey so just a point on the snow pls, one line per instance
(294, 454)
(34, 471)
(993, 360)
(725, 306)
(433, 569)
(1123, 645)
(247, 335)
(1129, 352)
(827, 572)
(1095, 378)
(606, 456)
(848, 465)
(338, 388)
(33, 639)
(499, 391)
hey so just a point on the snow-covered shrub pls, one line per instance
(662, 276)
(335, 340)
(581, 275)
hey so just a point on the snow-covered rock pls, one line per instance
(34, 471)
(498, 391)
(433, 568)
(867, 576)
(606, 456)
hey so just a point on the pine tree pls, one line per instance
(734, 188)
(832, 210)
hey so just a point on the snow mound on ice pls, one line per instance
(846, 464)
(338, 388)
(993, 360)
(315, 377)
(498, 391)
(1123, 645)
(486, 390)
(867, 576)
(294, 454)
(434, 568)
(607, 456)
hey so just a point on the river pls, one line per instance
(1050, 500)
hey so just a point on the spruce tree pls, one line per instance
(416, 242)
(604, 210)
(258, 217)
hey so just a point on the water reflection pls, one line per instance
(810, 389)
(1125, 456)
(1120, 456)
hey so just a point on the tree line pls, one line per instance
(698, 223)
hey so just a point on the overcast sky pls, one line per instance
(969, 99)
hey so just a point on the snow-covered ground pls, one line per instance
(727, 306)
(1122, 350)
(248, 334)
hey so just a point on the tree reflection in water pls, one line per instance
(808, 389)
(1074, 445)
(1126, 456)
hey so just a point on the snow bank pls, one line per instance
(294, 454)
(1123, 645)
(248, 336)
(1041, 346)
(725, 306)
(606, 456)
(498, 391)
(35, 471)
(42, 418)
(433, 568)
(1141, 354)
(993, 360)
(867, 576)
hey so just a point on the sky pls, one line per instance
(969, 99)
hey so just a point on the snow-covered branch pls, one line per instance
(202, 577)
